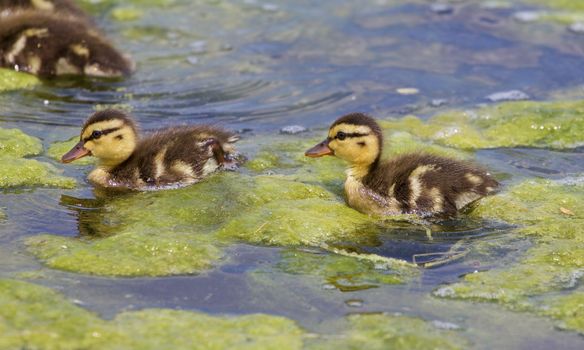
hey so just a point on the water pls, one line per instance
(260, 66)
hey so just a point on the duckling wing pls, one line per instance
(428, 184)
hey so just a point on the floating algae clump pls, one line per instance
(35, 317)
(556, 125)
(17, 171)
(380, 331)
(550, 214)
(299, 222)
(129, 253)
(29, 172)
(183, 231)
(12, 80)
(15, 143)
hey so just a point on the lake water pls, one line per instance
(257, 66)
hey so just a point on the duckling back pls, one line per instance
(429, 185)
(58, 41)
(8, 7)
(174, 156)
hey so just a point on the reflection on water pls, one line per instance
(257, 65)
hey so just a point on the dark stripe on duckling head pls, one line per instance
(96, 134)
(343, 135)
(110, 114)
(361, 119)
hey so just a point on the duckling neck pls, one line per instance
(359, 171)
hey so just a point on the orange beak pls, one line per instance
(322, 149)
(78, 151)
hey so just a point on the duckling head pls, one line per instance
(109, 135)
(355, 138)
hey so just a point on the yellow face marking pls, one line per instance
(473, 179)
(360, 151)
(109, 148)
(416, 185)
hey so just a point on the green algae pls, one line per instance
(127, 14)
(58, 149)
(301, 222)
(18, 172)
(185, 230)
(15, 143)
(12, 80)
(382, 331)
(35, 317)
(568, 5)
(343, 272)
(549, 213)
(557, 125)
(128, 254)
(568, 309)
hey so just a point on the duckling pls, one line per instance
(51, 44)
(415, 183)
(7, 7)
(174, 156)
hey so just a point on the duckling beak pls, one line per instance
(322, 149)
(78, 151)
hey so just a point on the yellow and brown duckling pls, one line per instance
(7, 7)
(60, 42)
(415, 183)
(174, 156)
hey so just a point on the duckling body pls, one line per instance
(413, 183)
(172, 156)
(48, 6)
(55, 43)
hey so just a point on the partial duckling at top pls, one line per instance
(179, 155)
(415, 183)
(62, 41)
(48, 6)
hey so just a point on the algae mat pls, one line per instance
(36, 317)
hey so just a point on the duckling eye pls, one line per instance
(96, 134)
(341, 136)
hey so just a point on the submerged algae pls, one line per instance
(382, 331)
(557, 125)
(36, 317)
(12, 80)
(343, 272)
(549, 213)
